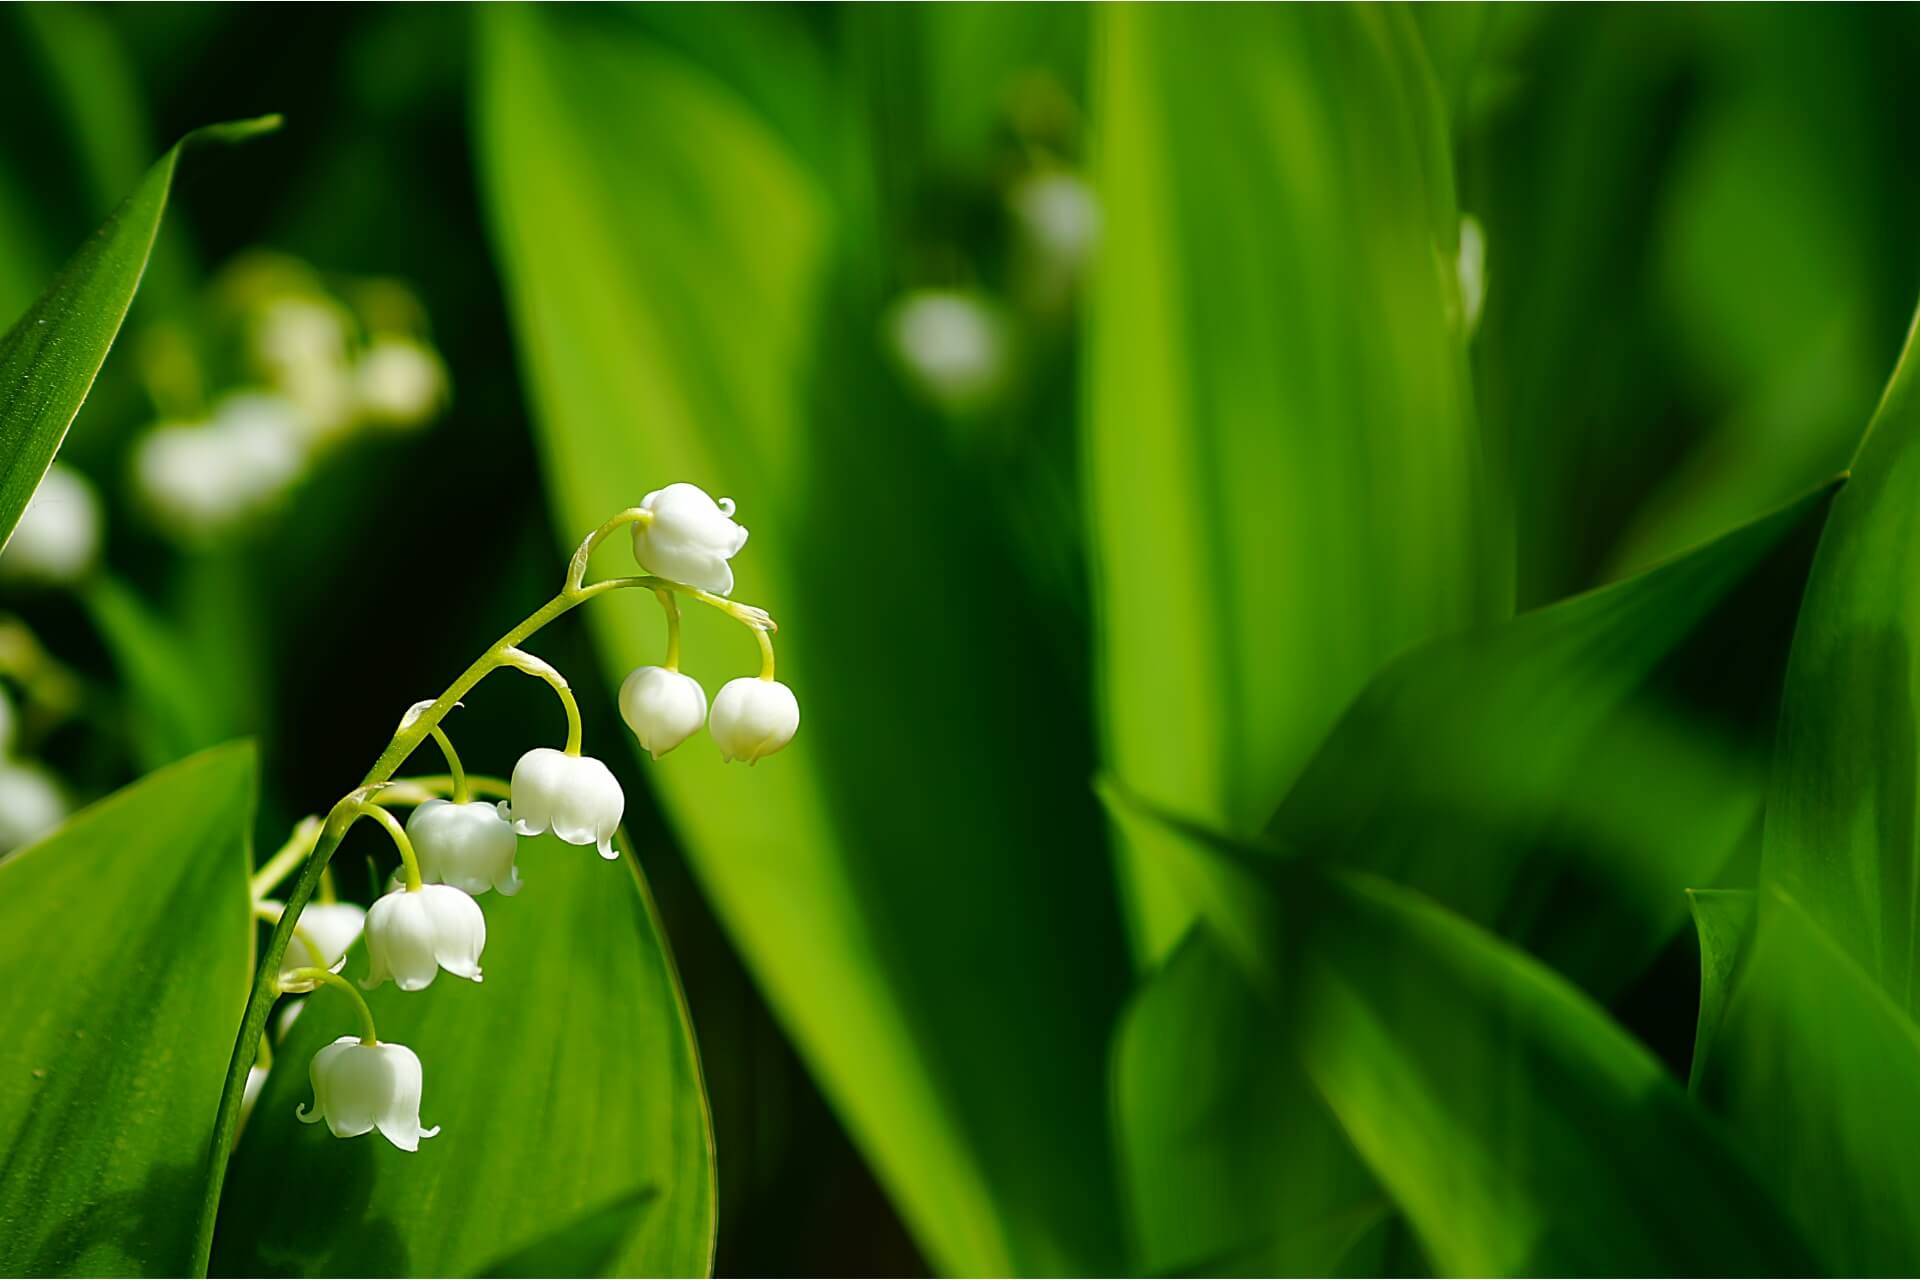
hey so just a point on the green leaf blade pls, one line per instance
(50, 357)
(125, 945)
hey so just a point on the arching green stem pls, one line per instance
(408, 858)
(766, 653)
(326, 977)
(521, 660)
(453, 764)
(670, 605)
(299, 844)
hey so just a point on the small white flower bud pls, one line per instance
(411, 936)
(577, 797)
(663, 708)
(952, 345)
(361, 1087)
(58, 536)
(399, 382)
(690, 538)
(753, 718)
(333, 927)
(469, 846)
(31, 804)
(1059, 217)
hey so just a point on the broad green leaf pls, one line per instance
(589, 1245)
(1284, 467)
(919, 883)
(125, 943)
(564, 1080)
(1564, 777)
(1233, 1164)
(1724, 918)
(1845, 792)
(48, 360)
(1519, 1130)
(1819, 1072)
(177, 705)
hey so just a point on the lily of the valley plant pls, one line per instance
(455, 847)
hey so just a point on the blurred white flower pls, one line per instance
(58, 536)
(361, 1087)
(1058, 218)
(953, 345)
(753, 717)
(301, 343)
(1472, 268)
(202, 479)
(31, 804)
(663, 708)
(9, 722)
(577, 797)
(399, 382)
(413, 934)
(469, 846)
(333, 927)
(689, 538)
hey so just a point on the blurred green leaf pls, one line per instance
(919, 883)
(1233, 1163)
(49, 359)
(1820, 1073)
(1285, 473)
(589, 1245)
(564, 1080)
(177, 705)
(1724, 918)
(1564, 777)
(125, 943)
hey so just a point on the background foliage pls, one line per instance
(1430, 635)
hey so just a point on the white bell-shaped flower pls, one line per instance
(332, 927)
(753, 718)
(469, 846)
(690, 538)
(412, 935)
(663, 708)
(576, 797)
(361, 1087)
(31, 804)
(58, 536)
(399, 382)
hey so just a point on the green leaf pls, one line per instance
(1840, 834)
(1233, 1164)
(176, 708)
(48, 360)
(1724, 918)
(1820, 1073)
(125, 944)
(1285, 472)
(1521, 1132)
(919, 884)
(1563, 778)
(589, 1245)
(564, 1080)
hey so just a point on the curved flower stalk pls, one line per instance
(450, 849)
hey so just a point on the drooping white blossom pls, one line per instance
(361, 1087)
(333, 927)
(31, 803)
(576, 797)
(58, 537)
(413, 934)
(399, 382)
(753, 718)
(689, 537)
(953, 345)
(663, 708)
(469, 846)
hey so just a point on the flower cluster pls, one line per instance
(455, 848)
(316, 371)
